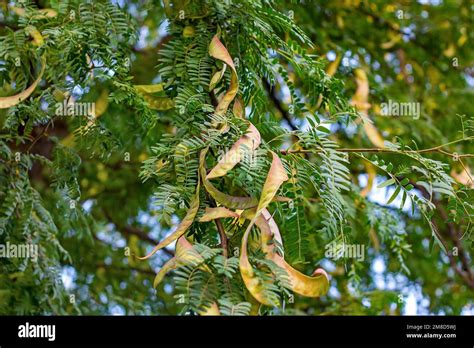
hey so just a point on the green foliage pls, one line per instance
(94, 192)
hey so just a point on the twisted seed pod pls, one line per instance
(182, 227)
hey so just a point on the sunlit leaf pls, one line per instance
(386, 183)
(394, 195)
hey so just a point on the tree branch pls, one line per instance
(128, 230)
(278, 105)
(465, 273)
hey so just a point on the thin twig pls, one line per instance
(438, 149)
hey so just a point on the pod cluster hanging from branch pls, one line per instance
(240, 208)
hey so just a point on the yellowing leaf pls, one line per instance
(36, 35)
(6, 102)
(250, 141)
(340, 22)
(182, 227)
(159, 103)
(188, 31)
(43, 13)
(218, 51)
(155, 102)
(463, 38)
